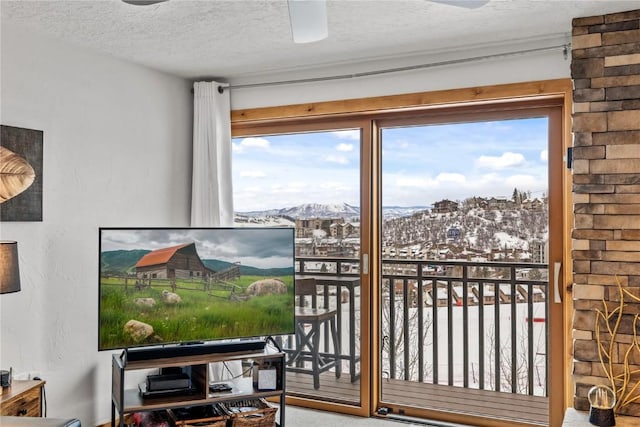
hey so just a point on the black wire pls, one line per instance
(242, 374)
(44, 397)
(274, 342)
(229, 370)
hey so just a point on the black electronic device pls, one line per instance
(168, 382)
(5, 377)
(148, 353)
(219, 387)
(142, 387)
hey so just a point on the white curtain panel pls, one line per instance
(211, 187)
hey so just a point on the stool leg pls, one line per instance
(336, 348)
(315, 351)
(301, 341)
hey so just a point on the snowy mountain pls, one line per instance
(309, 210)
(317, 210)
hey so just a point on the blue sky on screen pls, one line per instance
(262, 248)
(421, 165)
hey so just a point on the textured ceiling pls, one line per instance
(231, 39)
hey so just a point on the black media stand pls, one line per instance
(127, 398)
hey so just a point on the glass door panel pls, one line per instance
(311, 180)
(464, 289)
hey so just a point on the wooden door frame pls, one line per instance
(557, 92)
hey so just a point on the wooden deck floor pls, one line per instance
(487, 404)
(332, 389)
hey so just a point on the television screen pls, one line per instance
(184, 285)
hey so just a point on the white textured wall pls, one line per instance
(117, 152)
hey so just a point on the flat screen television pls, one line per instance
(162, 286)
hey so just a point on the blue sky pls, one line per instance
(420, 165)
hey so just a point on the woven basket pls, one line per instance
(251, 413)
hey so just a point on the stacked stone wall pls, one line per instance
(605, 70)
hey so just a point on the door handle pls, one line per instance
(365, 263)
(557, 297)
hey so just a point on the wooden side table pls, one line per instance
(22, 399)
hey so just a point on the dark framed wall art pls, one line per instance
(20, 174)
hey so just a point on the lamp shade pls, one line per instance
(9, 270)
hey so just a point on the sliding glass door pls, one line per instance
(310, 178)
(464, 294)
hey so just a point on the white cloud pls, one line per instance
(408, 189)
(348, 134)
(414, 182)
(529, 182)
(255, 142)
(253, 174)
(507, 160)
(292, 187)
(334, 186)
(396, 144)
(442, 179)
(446, 177)
(544, 155)
(344, 147)
(489, 179)
(336, 159)
(251, 142)
(252, 191)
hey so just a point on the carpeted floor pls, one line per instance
(302, 417)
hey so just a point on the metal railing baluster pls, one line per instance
(405, 336)
(481, 335)
(514, 332)
(496, 335)
(420, 303)
(530, 359)
(434, 338)
(392, 329)
(465, 325)
(450, 331)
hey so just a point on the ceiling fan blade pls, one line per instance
(308, 19)
(143, 2)
(467, 4)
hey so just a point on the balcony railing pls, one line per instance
(477, 325)
(441, 315)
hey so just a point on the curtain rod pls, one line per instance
(565, 51)
(221, 87)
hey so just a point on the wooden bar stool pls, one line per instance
(308, 342)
